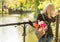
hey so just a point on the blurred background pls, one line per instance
(14, 11)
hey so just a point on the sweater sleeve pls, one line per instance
(53, 19)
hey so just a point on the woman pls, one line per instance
(49, 14)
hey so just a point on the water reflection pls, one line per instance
(9, 33)
(13, 33)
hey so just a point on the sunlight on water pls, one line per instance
(9, 33)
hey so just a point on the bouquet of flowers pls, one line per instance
(41, 26)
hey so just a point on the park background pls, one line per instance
(12, 11)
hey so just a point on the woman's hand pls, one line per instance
(30, 23)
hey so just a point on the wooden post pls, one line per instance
(2, 7)
(24, 28)
(57, 28)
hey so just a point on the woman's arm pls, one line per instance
(39, 17)
(31, 23)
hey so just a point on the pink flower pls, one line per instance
(40, 26)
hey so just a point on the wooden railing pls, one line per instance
(24, 28)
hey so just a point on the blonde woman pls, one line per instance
(49, 14)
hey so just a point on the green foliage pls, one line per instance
(31, 3)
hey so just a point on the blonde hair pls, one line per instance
(49, 10)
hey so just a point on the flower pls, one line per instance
(40, 26)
